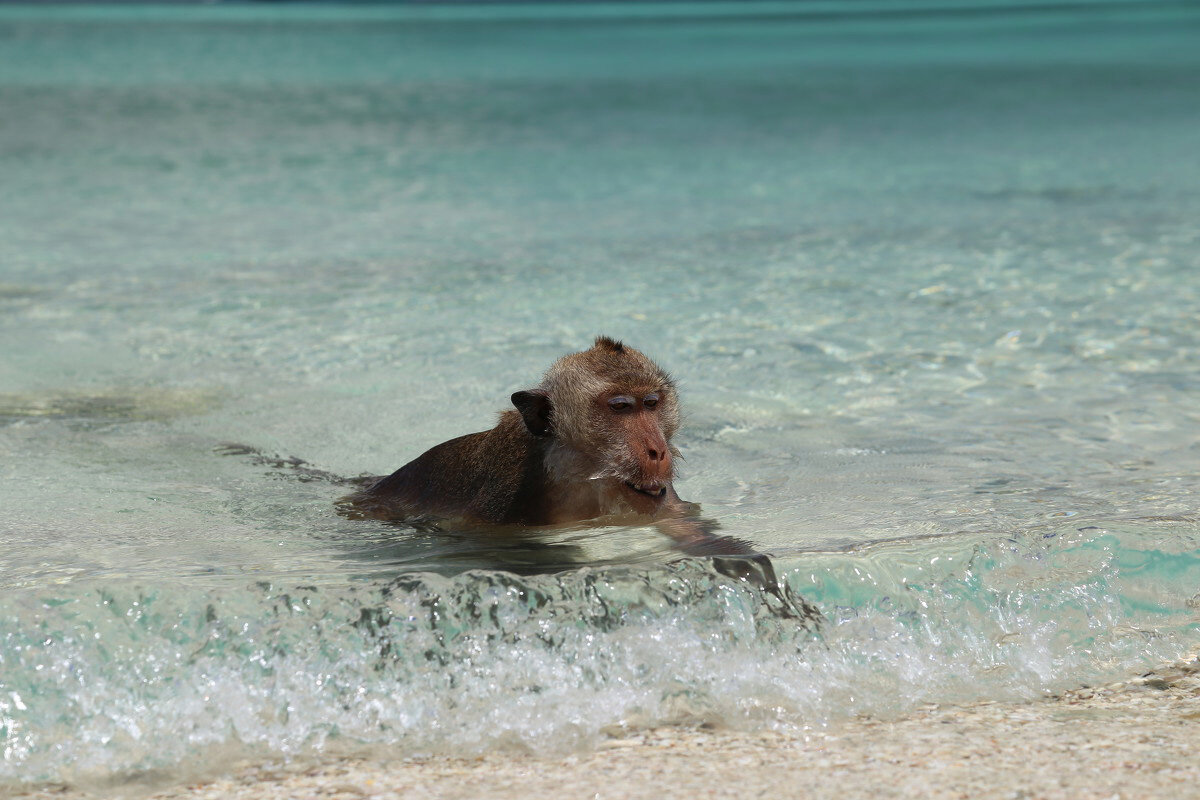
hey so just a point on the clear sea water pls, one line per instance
(928, 274)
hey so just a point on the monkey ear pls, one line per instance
(534, 405)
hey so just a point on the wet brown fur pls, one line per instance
(564, 456)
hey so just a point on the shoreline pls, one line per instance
(1134, 739)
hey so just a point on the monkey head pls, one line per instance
(606, 414)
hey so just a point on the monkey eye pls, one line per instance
(650, 400)
(620, 403)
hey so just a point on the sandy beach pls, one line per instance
(1135, 739)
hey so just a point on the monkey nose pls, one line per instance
(657, 463)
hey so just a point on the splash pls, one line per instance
(103, 678)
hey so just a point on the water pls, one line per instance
(928, 278)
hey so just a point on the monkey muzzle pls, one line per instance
(655, 489)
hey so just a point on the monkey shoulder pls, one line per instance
(490, 476)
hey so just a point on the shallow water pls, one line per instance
(928, 280)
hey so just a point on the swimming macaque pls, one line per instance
(591, 442)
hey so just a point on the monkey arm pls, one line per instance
(698, 537)
(732, 557)
(695, 535)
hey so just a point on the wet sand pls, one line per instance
(1136, 739)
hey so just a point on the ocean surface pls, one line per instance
(928, 275)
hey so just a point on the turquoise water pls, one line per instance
(928, 276)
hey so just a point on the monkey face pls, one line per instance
(606, 416)
(642, 451)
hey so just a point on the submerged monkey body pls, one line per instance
(591, 441)
(590, 444)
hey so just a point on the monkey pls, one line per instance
(591, 442)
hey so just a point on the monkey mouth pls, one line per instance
(650, 488)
